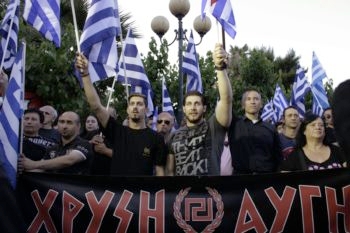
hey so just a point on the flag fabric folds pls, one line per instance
(318, 90)
(167, 105)
(132, 72)
(10, 117)
(300, 88)
(268, 113)
(222, 11)
(190, 67)
(9, 34)
(98, 40)
(279, 102)
(44, 16)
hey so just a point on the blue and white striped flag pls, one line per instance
(98, 40)
(300, 88)
(131, 67)
(10, 116)
(191, 68)
(44, 16)
(222, 11)
(167, 105)
(316, 106)
(318, 90)
(154, 119)
(268, 113)
(279, 102)
(9, 35)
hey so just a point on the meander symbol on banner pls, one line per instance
(195, 213)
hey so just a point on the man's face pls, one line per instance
(194, 109)
(31, 124)
(68, 125)
(252, 102)
(291, 118)
(49, 117)
(165, 123)
(136, 109)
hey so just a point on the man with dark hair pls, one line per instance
(137, 149)
(34, 145)
(72, 155)
(254, 144)
(291, 123)
(341, 116)
(196, 147)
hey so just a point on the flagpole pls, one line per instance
(75, 25)
(7, 43)
(22, 97)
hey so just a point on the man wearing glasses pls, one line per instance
(165, 124)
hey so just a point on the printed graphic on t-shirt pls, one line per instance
(190, 156)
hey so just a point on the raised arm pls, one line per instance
(223, 110)
(81, 64)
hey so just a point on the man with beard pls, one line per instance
(72, 155)
(254, 144)
(291, 123)
(196, 147)
(137, 149)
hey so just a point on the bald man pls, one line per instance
(72, 155)
(165, 124)
(47, 130)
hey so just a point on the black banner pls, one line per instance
(290, 202)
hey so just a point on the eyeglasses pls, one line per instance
(167, 122)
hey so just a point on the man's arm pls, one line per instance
(223, 110)
(73, 157)
(81, 64)
(170, 165)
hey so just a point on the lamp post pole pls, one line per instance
(180, 106)
(160, 25)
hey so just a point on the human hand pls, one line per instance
(82, 64)
(25, 164)
(220, 57)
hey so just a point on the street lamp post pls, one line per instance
(160, 25)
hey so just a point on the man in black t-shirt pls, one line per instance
(137, 149)
(72, 155)
(34, 145)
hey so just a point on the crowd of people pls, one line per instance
(223, 144)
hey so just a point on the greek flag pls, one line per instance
(167, 105)
(10, 116)
(279, 102)
(132, 72)
(191, 68)
(98, 40)
(44, 16)
(318, 74)
(300, 88)
(268, 113)
(316, 105)
(9, 35)
(222, 11)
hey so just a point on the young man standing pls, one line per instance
(195, 148)
(291, 123)
(137, 149)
